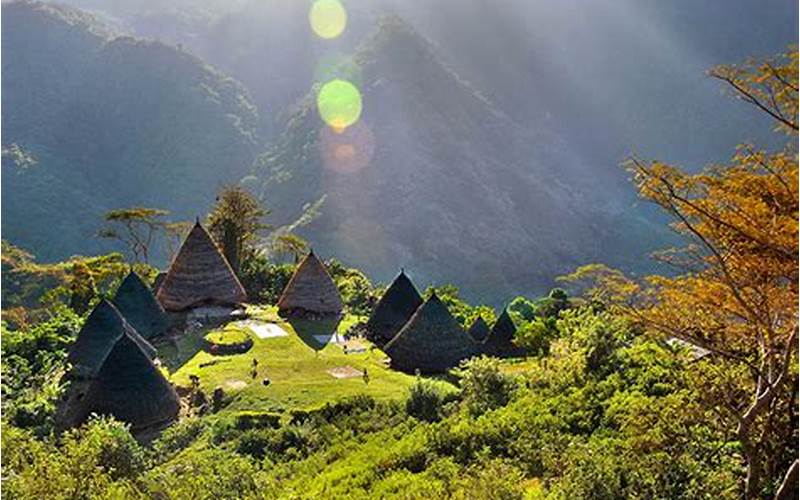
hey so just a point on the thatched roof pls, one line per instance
(501, 337)
(394, 309)
(432, 341)
(157, 282)
(479, 330)
(129, 387)
(199, 275)
(139, 307)
(100, 333)
(310, 290)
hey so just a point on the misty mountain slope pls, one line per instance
(111, 122)
(268, 45)
(611, 76)
(453, 187)
(614, 76)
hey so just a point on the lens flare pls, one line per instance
(328, 18)
(339, 104)
(348, 151)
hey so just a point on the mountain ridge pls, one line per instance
(112, 121)
(452, 180)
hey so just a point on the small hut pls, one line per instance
(479, 330)
(199, 276)
(432, 341)
(139, 307)
(117, 376)
(310, 292)
(100, 333)
(500, 341)
(393, 310)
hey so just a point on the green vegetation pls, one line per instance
(228, 336)
(572, 425)
(235, 222)
(297, 366)
(678, 386)
(228, 341)
(179, 129)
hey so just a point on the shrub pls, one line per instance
(355, 288)
(254, 443)
(425, 401)
(108, 444)
(523, 308)
(206, 474)
(483, 386)
(178, 437)
(257, 420)
(346, 406)
(535, 336)
(264, 281)
(494, 479)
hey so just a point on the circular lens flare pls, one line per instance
(328, 18)
(339, 104)
(347, 151)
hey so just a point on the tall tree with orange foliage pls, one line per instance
(738, 294)
(736, 290)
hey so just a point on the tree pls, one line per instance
(736, 290)
(136, 227)
(523, 308)
(235, 223)
(82, 288)
(555, 302)
(289, 244)
(483, 386)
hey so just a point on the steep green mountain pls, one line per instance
(436, 178)
(265, 44)
(106, 122)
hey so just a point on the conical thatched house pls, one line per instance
(199, 276)
(131, 388)
(479, 330)
(432, 341)
(310, 291)
(500, 341)
(139, 307)
(394, 309)
(100, 333)
(113, 374)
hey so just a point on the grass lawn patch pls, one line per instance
(297, 366)
(229, 340)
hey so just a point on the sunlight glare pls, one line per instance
(328, 18)
(339, 104)
(348, 151)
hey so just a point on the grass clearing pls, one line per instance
(297, 365)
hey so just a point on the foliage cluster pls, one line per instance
(606, 414)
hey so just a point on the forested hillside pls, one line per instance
(108, 122)
(438, 177)
(510, 119)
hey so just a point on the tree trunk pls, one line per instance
(788, 489)
(752, 485)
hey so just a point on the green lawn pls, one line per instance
(296, 365)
